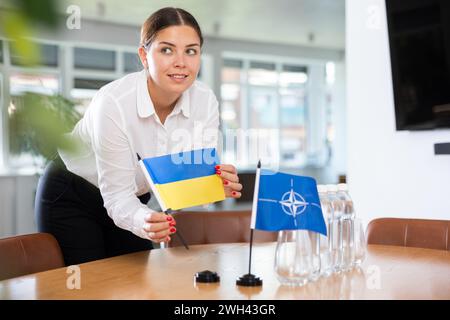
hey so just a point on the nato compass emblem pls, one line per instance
(292, 203)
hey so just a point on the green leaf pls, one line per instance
(39, 124)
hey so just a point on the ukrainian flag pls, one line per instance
(185, 179)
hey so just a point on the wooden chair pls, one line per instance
(420, 233)
(28, 254)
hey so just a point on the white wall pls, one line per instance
(337, 165)
(391, 173)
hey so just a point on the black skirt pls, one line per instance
(71, 209)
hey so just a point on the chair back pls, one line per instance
(420, 233)
(204, 227)
(28, 254)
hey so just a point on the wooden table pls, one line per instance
(388, 272)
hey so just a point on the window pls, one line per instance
(84, 90)
(48, 56)
(84, 72)
(262, 73)
(262, 80)
(292, 93)
(263, 108)
(94, 59)
(21, 82)
(132, 63)
(231, 93)
(270, 98)
(90, 84)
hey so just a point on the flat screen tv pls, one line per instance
(419, 40)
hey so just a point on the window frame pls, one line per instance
(279, 62)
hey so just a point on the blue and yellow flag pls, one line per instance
(185, 179)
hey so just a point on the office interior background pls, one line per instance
(318, 71)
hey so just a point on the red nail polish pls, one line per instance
(225, 182)
(172, 223)
(172, 230)
(218, 172)
(233, 193)
(169, 218)
(217, 167)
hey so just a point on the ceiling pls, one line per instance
(317, 23)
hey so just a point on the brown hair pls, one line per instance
(164, 18)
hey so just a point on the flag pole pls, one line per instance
(169, 211)
(249, 279)
(250, 258)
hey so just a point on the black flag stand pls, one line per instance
(249, 279)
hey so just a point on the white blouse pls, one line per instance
(120, 123)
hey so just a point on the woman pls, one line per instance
(94, 202)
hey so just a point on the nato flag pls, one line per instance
(287, 202)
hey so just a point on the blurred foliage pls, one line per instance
(40, 11)
(38, 123)
(16, 28)
(19, 23)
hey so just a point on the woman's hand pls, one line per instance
(159, 226)
(230, 180)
